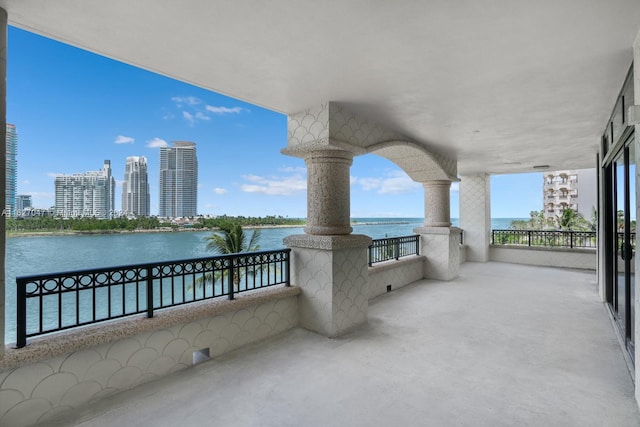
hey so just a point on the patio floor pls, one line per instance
(503, 345)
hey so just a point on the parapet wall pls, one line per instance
(544, 256)
(394, 273)
(66, 371)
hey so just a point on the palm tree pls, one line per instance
(233, 240)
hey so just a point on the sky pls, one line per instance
(74, 109)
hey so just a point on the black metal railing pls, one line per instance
(393, 248)
(555, 238)
(58, 301)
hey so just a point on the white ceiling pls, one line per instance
(501, 85)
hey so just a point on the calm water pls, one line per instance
(34, 255)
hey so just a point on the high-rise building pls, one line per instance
(135, 189)
(12, 170)
(23, 202)
(89, 194)
(178, 180)
(569, 189)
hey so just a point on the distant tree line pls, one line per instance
(53, 224)
(248, 221)
(570, 220)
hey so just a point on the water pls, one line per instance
(49, 254)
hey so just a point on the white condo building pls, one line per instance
(570, 189)
(89, 194)
(178, 180)
(135, 189)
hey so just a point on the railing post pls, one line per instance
(529, 237)
(417, 241)
(150, 291)
(288, 268)
(370, 255)
(493, 237)
(571, 239)
(397, 247)
(21, 309)
(231, 279)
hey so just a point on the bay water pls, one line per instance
(50, 254)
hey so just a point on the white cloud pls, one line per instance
(25, 182)
(219, 190)
(188, 116)
(396, 182)
(455, 187)
(121, 139)
(202, 116)
(294, 169)
(157, 143)
(186, 100)
(223, 110)
(54, 174)
(119, 183)
(275, 186)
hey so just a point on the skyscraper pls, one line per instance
(135, 189)
(12, 170)
(89, 194)
(23, 202)
(178, 180)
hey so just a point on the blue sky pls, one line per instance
(74, 109)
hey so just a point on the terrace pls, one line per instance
(502, 345)
(449, 92)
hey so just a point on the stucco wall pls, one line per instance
(549, 257)
(38, 391)
(395, 273)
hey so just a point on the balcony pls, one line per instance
(504, 345)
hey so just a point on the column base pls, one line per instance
(441, 246)
(332, 272)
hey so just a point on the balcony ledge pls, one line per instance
(65, 342)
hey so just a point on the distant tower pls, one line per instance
(135, 190)
(178, 180)
(23, 202)
(89, 194)
(12, 170)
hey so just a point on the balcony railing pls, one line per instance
(393, 248)
(58, 301)
(567, 239)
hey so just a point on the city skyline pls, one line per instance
(75, 108)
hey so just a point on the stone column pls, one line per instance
(475, 216)
(439, 242)
(3, 163)
(328, 263)
(437, 200)
(328, 192)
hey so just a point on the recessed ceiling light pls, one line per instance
(541, 167)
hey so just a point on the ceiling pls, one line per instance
(500, 85)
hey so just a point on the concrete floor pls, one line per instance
(503, 345)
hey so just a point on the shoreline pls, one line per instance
(10, 234)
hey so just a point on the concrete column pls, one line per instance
(475, 216)
(328, 263)
(439, 242)
(328, 192)
(3, 164)
(437, 203)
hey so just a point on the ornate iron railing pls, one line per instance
(393, 248)
(567, 239)
(58, 301)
